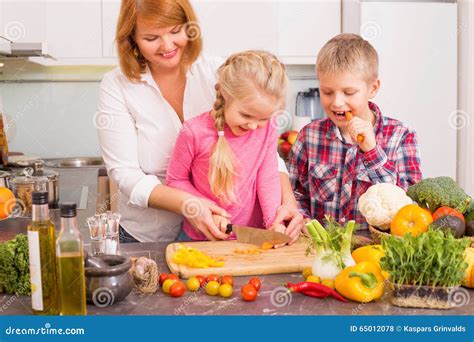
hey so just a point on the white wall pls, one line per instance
(51, 109)
(466, 95)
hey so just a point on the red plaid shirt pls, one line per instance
(329, 175)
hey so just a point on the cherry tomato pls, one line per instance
(227, 280)
(167, 284)
(213, 277)
(307, 272)
(212, 288)
(225, 290)
(173, 276)
(177, 289)
(201, 279)
(163, 277)
(256, 283)
(447, 211)
(249, 293)
(193, 284)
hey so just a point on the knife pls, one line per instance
(257, 236)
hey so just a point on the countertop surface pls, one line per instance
(271, 300)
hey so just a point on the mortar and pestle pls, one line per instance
(108, 279)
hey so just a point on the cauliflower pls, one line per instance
(381, 202)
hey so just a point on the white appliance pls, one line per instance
(417, 47)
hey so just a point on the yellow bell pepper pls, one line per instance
(370, 253)
(361, 283)
(469, 259)
(194, 258)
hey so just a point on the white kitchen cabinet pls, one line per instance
(110, 14)
(293, 30)
(70, 28)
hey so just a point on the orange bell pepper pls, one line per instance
(411, 219)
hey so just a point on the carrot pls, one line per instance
(349, 116)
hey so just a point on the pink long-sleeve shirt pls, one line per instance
(257, 187)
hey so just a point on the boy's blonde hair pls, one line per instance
(348, 52)
(161, 13)
(243, 77)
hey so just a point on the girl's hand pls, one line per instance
(221, 222)
(289, 212)
(199, 213)
(358, 126)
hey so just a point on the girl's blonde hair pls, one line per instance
(243, 77)
(348, 52)
(161, 13)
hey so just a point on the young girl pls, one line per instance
(228, 155)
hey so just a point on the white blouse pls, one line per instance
(137, 130)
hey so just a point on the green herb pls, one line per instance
(14, 266)
(433, 258)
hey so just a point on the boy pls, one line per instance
(336, 159)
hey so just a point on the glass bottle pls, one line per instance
(70, 261)
(42, 257)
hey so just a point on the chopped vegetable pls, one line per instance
(194, 258)
(332, 247)
(14, 266)
(361, 283)
(434, 258)
(380, 203)
(266, 245)
(251, 250)
(432, 193)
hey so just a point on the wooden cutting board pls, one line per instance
(288, 259)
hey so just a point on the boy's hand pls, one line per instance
(358, 126)
(221, 222)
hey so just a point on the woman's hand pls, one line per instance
(199, 213)
(289, 212)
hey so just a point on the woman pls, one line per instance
(161, 82)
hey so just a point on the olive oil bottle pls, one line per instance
(41, 244)
(70, 261)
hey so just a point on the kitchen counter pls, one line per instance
(72, 184)
(202, 304)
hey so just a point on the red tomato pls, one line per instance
(227, 280)
(201, 279)
(256, 283)
(173, 276)
(213, 277)
(248, 293)
(177, 289)
(447, 211)
(163, 277)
